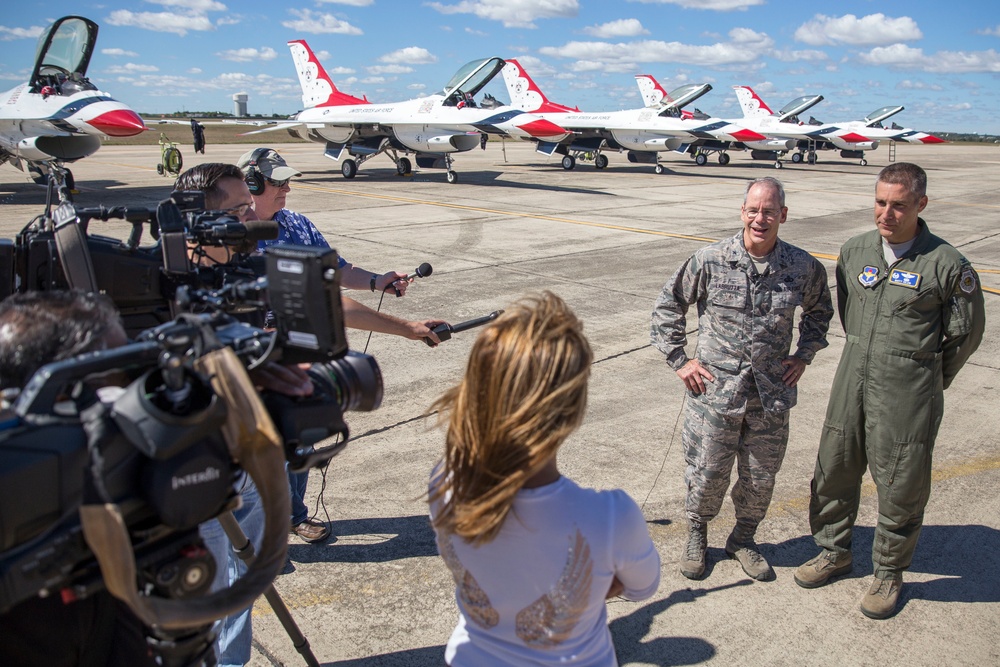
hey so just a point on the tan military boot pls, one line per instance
(818, 571)
(748, 554)
(880, 600)
(693, 559)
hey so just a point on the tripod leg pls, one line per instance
(244, 549)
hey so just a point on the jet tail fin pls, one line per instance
(525, 95)
(753, 106)
(653, 94)
(318, 89)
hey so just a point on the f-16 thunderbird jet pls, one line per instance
(644, 133)
(852, 138)
(355, 130)
(59, 116)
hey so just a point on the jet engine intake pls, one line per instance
(436, 140)
(67, 148)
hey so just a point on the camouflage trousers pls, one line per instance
(756, 440)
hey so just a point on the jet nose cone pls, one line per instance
(931, 139)
(748, 135)
(118, 123)
(543, 128)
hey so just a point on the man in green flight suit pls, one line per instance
(912, 308)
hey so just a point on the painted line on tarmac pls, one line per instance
(517, 214)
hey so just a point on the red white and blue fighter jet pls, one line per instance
(59, 116)
(354, 130)
(644, 133)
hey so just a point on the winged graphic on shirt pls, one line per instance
(549, 620)
(354, 130)
(644, 133)
(475, 600)
(59, 116)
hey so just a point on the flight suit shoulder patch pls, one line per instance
(967, 283)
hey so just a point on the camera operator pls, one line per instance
(37, 328)
(267, 176)
(225, 190)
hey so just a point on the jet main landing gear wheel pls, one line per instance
(724, 158)
(403, 167)
(452, 176)
(568, 162)
(700, 159)
(601, 161)
(796, 157)
(658, 168)
(349, 168)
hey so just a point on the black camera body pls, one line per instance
(155, 450)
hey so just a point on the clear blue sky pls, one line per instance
(939, 59)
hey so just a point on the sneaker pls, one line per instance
(693, 560)
(311, 530)
(748, 554)
(820, 569)
(880, 600)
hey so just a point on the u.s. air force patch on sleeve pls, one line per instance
(904, 278)
(967, 282)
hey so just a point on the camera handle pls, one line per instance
(244, 549)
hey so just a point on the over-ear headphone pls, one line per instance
(254, 179)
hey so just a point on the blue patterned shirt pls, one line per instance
(296, 229)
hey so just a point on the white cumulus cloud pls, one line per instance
(352, 3)
(160, 21)
(874, 29)
(319, 24)
(901, 56)
(131, 68)
(619, 28)
(7, 34)
(411, 55)
(389, 69)
(995, 31)
(248, 54)
(716, 5)
(119, 52)
(512, 13)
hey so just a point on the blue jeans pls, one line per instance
(297, 482)
(235, 632)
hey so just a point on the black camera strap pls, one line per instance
(74, 255)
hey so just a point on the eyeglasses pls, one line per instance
(239, 211)
(768, 213)
(277, 184)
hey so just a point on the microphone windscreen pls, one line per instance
(261, 230)
(425, 270)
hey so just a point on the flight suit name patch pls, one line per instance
(868, 276)
(904, 279)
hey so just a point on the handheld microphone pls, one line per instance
(421, 271)
(444, 331)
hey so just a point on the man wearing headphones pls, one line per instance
(267, 175)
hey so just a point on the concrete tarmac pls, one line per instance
(377, 594)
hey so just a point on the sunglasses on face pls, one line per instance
(277, 184)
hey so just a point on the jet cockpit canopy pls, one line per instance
(678, 98)
(875, 118)
(789, 112)
(470, 79)
(63, 54)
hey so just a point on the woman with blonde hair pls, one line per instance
(533, 554)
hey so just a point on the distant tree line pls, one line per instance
(206, 114)
(969, 136)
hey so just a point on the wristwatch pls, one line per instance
(373, 281)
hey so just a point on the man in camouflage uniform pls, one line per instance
(912, 308)
(741, 382)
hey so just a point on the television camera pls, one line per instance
(108, 493)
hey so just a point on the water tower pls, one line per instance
(240, 105)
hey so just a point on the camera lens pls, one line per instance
(354, 381)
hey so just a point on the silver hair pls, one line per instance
(770, 182)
